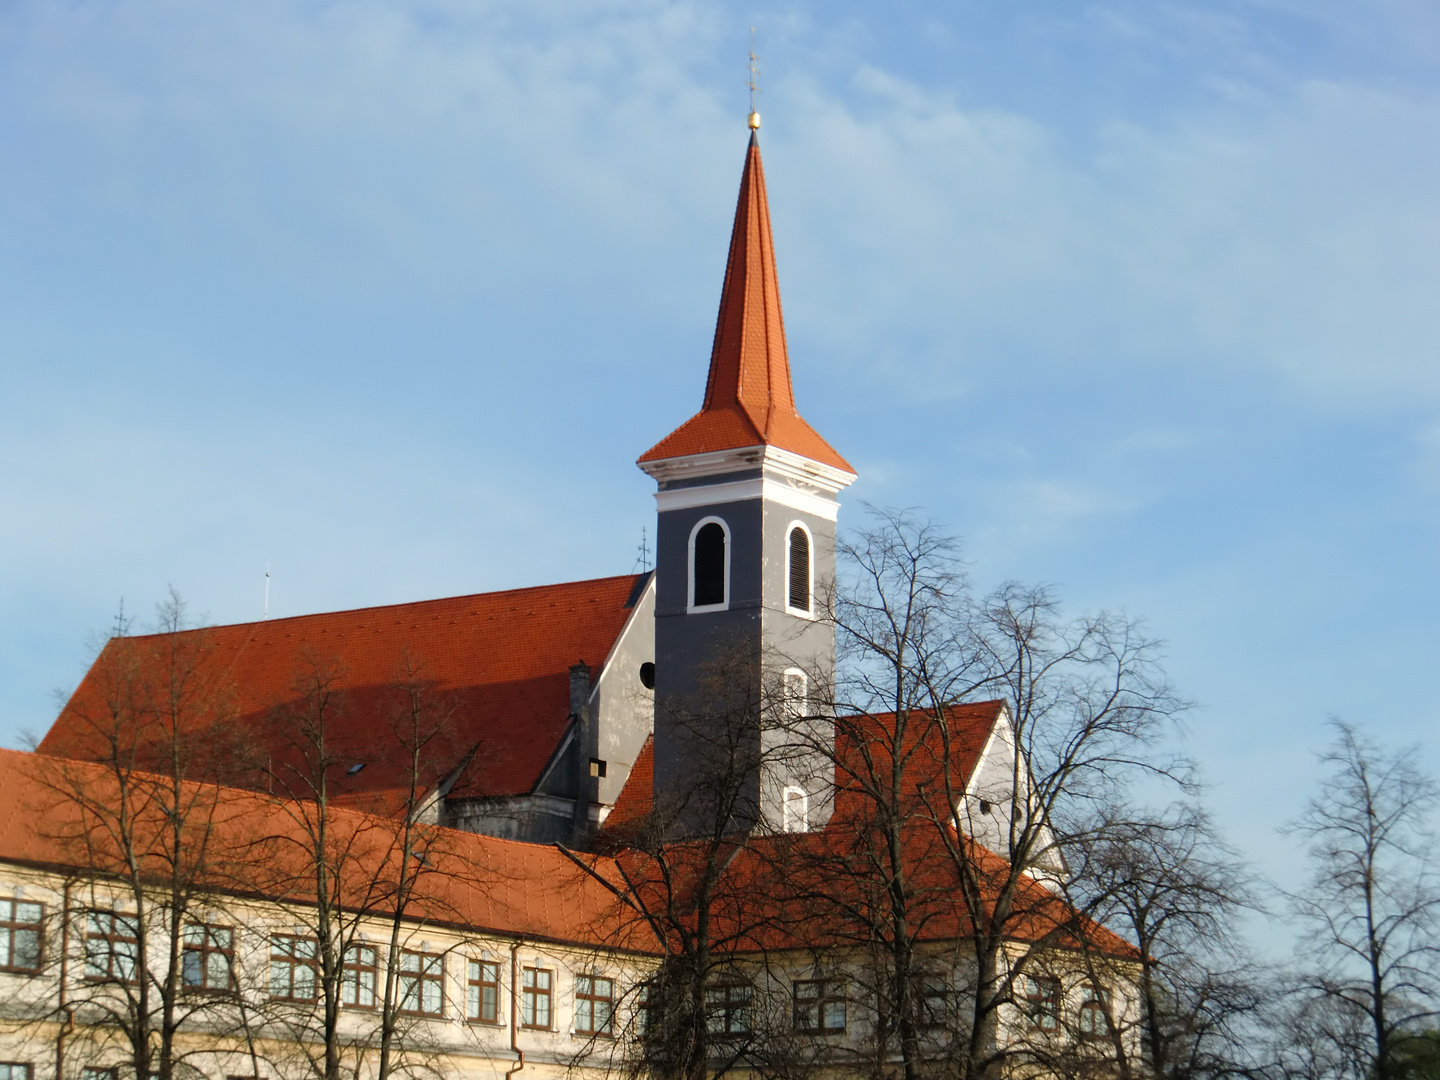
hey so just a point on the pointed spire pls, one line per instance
(749, 400)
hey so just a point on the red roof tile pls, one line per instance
(637, 797)
(255, 846)
(749, 400)
(498, 663)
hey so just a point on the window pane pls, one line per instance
(709, 569)
(190, 970)
(26, 953)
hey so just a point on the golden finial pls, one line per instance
(754, 120)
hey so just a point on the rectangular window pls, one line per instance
(292, 968)
(932, 993)
(796, 690)
(359, 974)
(482, 991)
(90, 1072)
(594, 1005)
(21, 926)
(819, 1006)
(536, 989)
(647, 998)
(11, 1070)
(422, 983)
(112, 946)
(727, 1008)
(795, 810)
(1042, 1003)
(208, 957)
(1091, 1023)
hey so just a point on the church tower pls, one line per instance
(747, 501)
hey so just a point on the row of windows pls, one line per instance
(710, 567)
(1042, 997)
(208, 956)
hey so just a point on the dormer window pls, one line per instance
(709, 566)
(797, 560)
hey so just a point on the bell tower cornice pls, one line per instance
(752, 472)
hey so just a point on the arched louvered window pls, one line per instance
(708, 565)
(799, 569)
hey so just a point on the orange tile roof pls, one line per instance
(768, 893)
(749, 400)
(637, 797)
(498, 663)
(813, 886)
(255, 847)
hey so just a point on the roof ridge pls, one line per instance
(380, 607)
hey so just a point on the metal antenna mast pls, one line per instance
(267, 590)
(642, 559)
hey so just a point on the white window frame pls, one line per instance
(787, 701)
(803, 800)
(690, 606)
(810, 582)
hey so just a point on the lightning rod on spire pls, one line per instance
(753, 84)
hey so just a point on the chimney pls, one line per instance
(579, 688)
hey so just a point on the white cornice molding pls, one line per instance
(821, 505)
(775, 464)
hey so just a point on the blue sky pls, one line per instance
(1139, 298)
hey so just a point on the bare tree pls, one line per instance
(944, 846)
(687, 882)
(144, 823)
(1371, 907)
(1172, 885)
(353, 867)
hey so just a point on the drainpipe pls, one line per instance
(67, 1018)
(514, 1013)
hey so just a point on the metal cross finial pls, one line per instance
(754, 88)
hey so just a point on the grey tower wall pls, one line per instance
(756, 627)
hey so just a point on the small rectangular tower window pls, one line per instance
(795, 810)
